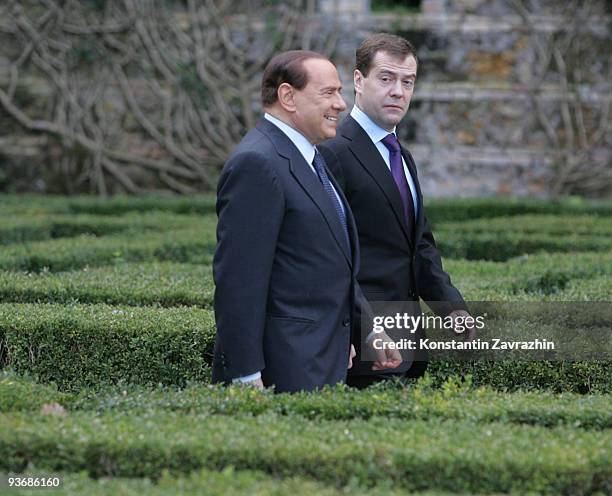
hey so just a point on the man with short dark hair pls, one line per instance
(399, 259)
(287, 253)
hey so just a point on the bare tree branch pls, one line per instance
(145, 93)
(564, 56)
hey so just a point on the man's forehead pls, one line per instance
(321, 73)
(384, 61)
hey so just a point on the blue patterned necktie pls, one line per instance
(397, 171)
(319, 165)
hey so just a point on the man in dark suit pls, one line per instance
(399, 259)
(287, 253)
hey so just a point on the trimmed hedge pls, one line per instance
(438, 210)
(585, 264)
(31, 204)
(79, 345)
(453, 400)
(549, 286)
(439, 434)
(501, 238)
(596, 289)
(504, 375)
(19, 393)
(116, 205)
(501, 246)
(22, 229)
(194, 245)
(162, 283)
(453, 456)
(535, 278)
(583, 225)
(212, 483)
(544, 276)
(467, 209)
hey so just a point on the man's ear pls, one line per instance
(358, 80)
(286, 94)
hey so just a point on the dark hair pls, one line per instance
(286, 67)
(394, 45)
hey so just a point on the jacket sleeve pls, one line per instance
(250, 207)
(435, 286)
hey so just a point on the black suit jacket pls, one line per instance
(396, 264)
(285, 276)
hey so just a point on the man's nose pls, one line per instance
(397, 89)
(340, 104)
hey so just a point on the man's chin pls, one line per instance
(329, 134)
(391, 123)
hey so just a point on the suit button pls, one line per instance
(346, 322)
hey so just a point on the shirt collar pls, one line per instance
(373, 130)
(304, 146)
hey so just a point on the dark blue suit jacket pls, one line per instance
(285, 278)
(396, 264)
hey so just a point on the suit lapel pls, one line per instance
(369, 157)
(313, 188)
(420, 220)
(352, 227)
(309, 182)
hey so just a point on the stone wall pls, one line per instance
(471, 127)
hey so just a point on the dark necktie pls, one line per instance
(319, 164)
(397, 170)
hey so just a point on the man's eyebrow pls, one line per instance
(386, 72)
(327, 88)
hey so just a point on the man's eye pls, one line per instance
(409, 83)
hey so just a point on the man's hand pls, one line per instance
(352, 354)
(257, 383)
(385, 358)
(469, 332)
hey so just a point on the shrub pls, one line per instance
(23, 229)
(79, 345)
(195, 244)
(454, 399)
(119, 205)
(558, 224)
(162, 283)
(466, 209)
(503, 246)
(454, 456)
(210, 483)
